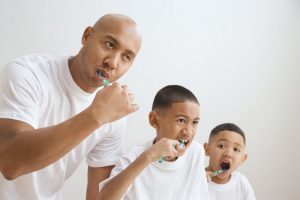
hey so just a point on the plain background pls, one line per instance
(240, 58)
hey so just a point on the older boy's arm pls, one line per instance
(116, 187)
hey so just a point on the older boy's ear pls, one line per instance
(206, 148)
(154, 119)
(87, 33)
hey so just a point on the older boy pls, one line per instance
(226, 149)
(163, 168)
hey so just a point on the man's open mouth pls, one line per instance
(102, 74)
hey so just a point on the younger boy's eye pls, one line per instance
(221, 146)
(237, 150)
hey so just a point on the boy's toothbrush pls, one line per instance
(105, 82)
(181, 144)
(215, 173)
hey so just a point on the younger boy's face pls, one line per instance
(179, 122)
(226, 148)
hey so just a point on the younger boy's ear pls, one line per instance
(87, 33)
(206, 148)
(244, 158)
(154, 119)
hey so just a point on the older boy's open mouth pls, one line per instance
(183, 143)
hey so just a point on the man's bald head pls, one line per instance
(124, 22)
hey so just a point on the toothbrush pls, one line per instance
(181, 144)
(105, 82)
(215, 173)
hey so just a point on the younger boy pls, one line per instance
(226, 149)
(169, 167)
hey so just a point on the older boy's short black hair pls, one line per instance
(170, 94)
(228, 127)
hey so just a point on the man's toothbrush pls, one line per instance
(181, 144)
(105, 82)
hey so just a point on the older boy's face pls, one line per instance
(225, 149)
(179, 122)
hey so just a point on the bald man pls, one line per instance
(55, 112)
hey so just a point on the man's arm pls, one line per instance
(117, 186)
(24, 149)
(95, 176)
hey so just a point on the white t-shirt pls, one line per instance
(237, 188)
(39, 90)
(183, 179)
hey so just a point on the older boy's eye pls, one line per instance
(109, 44)
(221, 146)
(195, 123)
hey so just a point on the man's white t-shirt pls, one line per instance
(237, 188)
(39, 90)
(183, 179)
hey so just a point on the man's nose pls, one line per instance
(111, 62)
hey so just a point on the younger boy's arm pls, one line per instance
(117, 186)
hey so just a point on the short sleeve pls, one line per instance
(108, 149)
(19, 93)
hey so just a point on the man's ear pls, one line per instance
(87, 33)
(154, 119)
(206, 148)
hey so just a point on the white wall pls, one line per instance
(241, 58)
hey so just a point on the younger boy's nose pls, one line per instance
(228, 153)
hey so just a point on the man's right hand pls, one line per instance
(112, 103)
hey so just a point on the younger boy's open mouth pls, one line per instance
(225, 165)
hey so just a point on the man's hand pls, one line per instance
(112, 103)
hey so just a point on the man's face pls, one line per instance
(108, 49)
(226, 148)
(179, 122)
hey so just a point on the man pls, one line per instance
(52, 115)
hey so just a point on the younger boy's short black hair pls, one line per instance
(170, 94)
(228, 127)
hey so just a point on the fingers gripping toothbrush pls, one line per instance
(105, 82)
(181, 144)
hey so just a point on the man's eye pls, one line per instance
(127, 57)
(181, 121)
(109, 44)
(195, 123)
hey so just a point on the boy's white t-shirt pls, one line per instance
(39, 90)
(238, 188)
(183, 179)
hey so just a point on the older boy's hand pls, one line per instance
(165, 148)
